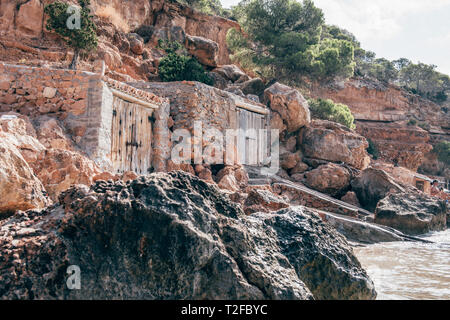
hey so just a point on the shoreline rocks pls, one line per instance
(173, 236)
(412, 213)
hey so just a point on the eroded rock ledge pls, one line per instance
(173, 236)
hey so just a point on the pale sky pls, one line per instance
(415, 29)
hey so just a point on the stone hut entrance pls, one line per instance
(253, 147)
(131, 137)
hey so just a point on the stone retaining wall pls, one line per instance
(82, 101)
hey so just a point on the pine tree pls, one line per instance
(75, 25)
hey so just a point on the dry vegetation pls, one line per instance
(110, 13)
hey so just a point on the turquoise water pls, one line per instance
(409, 270)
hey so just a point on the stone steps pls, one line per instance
(306, 196)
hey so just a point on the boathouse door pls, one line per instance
(253, 149)
(131, 137)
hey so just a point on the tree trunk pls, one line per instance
(74, 63)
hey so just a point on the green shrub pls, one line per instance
(328, 110)
(442, 149)
(424, 125)
(412, 122)
(247, 58)
(373, 150)
(80, 38)
(179, 66)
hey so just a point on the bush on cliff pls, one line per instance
(373, 150)
(442, 149)
(75, 26)
(178, 66)
(328, 110)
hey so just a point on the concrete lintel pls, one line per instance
(132, 99)
(251, 107)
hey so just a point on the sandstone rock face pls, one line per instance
(289, 160)
(372, 185)
(43, 161)
(398, 142)
(412, 213)
(371, 100)
(136, 43)
(386, 111)
(326, 140)
(59, 169)
(330, 178)
(205, 50)
(176, 237)
(51, 134)
(24, 36)
(368, 100)
(30, 18)
(352, 198)
(232, 178)
(289, 104)
(20, 189)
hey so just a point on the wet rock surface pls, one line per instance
(372, 185)
(412, 213)
(173, 236)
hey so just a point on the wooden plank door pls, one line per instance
(131, 137)
(252, 147)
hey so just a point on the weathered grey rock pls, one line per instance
(360, 231)
(173, 236)
(412, 213)
(253, 86)
(230, 72)
(263, 201)
(372, 185)
(218, 81)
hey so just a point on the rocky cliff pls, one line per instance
(401, 125)
(23, 35)
(173, 236)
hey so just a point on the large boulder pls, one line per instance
(20, 189)
(59, 169)
(29, 18)
(230, 72)
(330, 141)
(253, 86)
(330, 178)
(260, 200)
(413, 213)
(136, 43)
(205, 50)
(173, 236)
(289, 104)
(372, 185)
